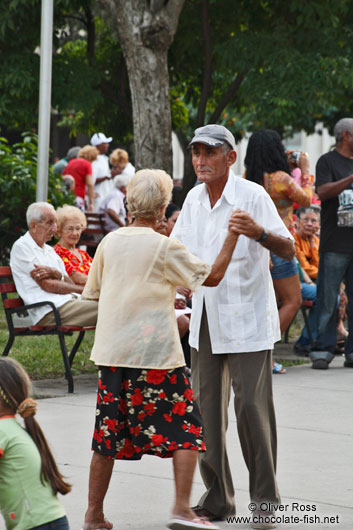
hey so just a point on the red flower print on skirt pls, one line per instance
(142, 411)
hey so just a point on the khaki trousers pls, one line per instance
(74, 313)
(250, 375)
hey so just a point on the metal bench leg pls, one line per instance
(76, 346)
(67, 366)
(8, 345)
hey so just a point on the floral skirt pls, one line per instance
(142, 411)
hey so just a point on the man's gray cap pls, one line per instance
(213, 135)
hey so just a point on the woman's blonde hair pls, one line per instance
(118, 157)
(149, 191)
(67, 213)
(88, 152)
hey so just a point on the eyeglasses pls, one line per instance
(71, 229)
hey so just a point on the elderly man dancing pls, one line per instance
(233, 326)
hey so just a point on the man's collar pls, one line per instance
(34, 244)
(228, 191)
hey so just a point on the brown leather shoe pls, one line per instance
(202, 512)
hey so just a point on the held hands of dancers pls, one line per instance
(241, 222)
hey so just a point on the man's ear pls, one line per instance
(232, 156)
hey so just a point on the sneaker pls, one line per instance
(302, 350)
(320, 364)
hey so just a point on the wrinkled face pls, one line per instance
(43, 231)
(211, 163)
(171, 221)
(71, 232)
(307, 224)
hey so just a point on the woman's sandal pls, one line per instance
(197, 523)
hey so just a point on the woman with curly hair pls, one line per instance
(267, 164)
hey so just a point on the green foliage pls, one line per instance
(18, 168)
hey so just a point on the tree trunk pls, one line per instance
(146, 30)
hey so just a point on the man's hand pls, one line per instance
(184, 292)
(241, 222)
(179, 303)
(41, 272)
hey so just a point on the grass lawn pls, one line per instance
(41, 356)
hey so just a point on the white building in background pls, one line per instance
(315, 145)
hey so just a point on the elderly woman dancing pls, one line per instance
(145, 403)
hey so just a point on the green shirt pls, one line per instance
(24, 501)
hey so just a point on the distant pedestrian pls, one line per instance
(119, 160)
(102, 178)
(80, 169)
(113, 207)
(334, 179)
(29, 477)
(60, 165)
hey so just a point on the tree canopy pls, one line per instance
(247, 64)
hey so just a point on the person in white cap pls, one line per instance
(234, 326)
(102, 179)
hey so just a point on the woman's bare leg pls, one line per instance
(184, 463)
(288, 292)
(99, 479)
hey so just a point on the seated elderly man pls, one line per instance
(39, 273)
(112, 206)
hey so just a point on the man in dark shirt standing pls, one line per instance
(334, 180)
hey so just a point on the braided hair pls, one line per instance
(15, 389)
(265, 154)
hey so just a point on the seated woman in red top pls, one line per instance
(71, 222)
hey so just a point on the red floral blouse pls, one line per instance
(71, 262)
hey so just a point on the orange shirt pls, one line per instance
(307, 251)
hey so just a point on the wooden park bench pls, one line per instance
(14, 305)
(93, 233)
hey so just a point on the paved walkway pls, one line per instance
(315, 471)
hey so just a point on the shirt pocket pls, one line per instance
(237, 321)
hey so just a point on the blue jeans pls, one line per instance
(309, 293)
(58, 524)
(334, 267)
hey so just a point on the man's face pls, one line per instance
(211, 163)
(43, 231)
(307, 224)
(103, 148)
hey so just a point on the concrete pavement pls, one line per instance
(315, 447)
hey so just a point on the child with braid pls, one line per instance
(29, 477)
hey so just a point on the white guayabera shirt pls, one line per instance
(241, 311)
